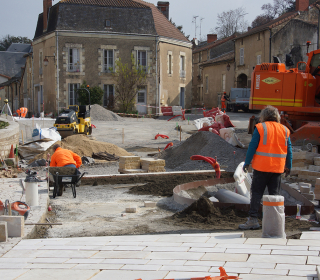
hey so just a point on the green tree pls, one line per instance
(7, 40)
(128, 78)
(96, 94)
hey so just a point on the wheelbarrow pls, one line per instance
(63, 176)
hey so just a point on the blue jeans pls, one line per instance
(70, 165)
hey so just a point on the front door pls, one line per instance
(182, 97)
(142, 101)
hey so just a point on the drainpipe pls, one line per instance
(270, 45)
(157, 84)
(32, 84)
(57, 57)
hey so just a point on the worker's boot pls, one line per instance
(252, 223)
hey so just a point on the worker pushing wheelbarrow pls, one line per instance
(64, 170)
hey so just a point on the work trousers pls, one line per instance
(260, 181)
(223, 104)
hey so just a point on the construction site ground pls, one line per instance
(99, 210)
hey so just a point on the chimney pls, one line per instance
(164, 8)
(211, 38)
(47, 4)
(302, 5)
(249, 28)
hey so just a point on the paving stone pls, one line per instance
(225, 257)
(121, 255)
(207, 250)
(301, 242)
(166, 249)
(282, 247)
(310, 235)
(309, 273)
(313, 260)
(278, 259)
(250, 265)
(66, 254)
(100, 266)
(129, 248)
(175, 256)
(51, 266)
(22, 254)
(168, 262)
(294, 253)
(239, 246)
(248, 251)
(191, 239)
(243, 276)
(150, 204)
(84, 261)
(296, 266)
(54, 274)
(151, 267)
(265, 241)
(8, 274)
(125, 261)
(48, 260)
(126, 274)
(186, 268)
(205, 263)
(15, 225)
(15, 265)
(234, 269)
(190, 274)
(265, 271)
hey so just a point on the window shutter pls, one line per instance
(241, 56)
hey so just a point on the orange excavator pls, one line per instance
(296, 94)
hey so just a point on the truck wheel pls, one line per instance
(228, 108)
(235, 109)
(90, 129)
(85, 130)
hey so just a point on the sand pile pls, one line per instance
(203, 143)
(84, 146)
(98, 113)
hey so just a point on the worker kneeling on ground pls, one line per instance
(63, 157)
(271, 154)
(224, 98)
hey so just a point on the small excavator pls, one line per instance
(296, 94)
(74, 120)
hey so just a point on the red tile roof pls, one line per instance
(163, 26)
(107, 3)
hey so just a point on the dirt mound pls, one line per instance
(203, 211)
(84, 146)
(98, 113)
(203, 143)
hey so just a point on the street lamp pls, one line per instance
(228, 66)
(46, 61)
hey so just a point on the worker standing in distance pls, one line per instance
(224, 98)
(63, 157)
(271, 154)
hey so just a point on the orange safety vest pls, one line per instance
(223, 98)
(271, 153)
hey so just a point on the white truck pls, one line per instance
(239, 99)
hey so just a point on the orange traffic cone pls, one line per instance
(11, 155)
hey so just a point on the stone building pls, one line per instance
(213, 70)
(81, 40)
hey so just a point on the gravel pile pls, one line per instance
(203, 143)
(98, 113)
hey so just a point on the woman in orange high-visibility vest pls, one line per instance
(270, 153)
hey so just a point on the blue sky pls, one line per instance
(19, 17)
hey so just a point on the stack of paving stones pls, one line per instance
(306, 165)
(305, 190)
(153, 165)
(133, 164)
(129, 164)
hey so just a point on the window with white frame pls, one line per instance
(182, 66)
(74, 60)
(258, 59)
(73, 96)
(170, 64)
(241, 56)
(108, 60)
(142, 59)
(108, 96)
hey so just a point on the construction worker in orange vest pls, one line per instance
(224, 98)
(270, 154)
(63, 157)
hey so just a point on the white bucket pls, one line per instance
(243, 181)
(32, 193)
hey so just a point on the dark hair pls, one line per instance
(56, 146)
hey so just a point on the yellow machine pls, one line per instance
(74, 120)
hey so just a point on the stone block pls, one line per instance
(309, 175)
(127, 159)
(317, 189)
(309, 195)
(130, 165)
(314, 168)
(129, 171)
(317, 214)
(3, 232)
(153, 162)
(15, 225)
(150, 204)
(131, 209)
(304, 188)
(318, 181)
(316, 161)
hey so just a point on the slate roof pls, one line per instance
(11, 63)
(126, 16)
(19, 47)
(229, 56)
(214, 44)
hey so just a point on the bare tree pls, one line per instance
(278, 8)
(260, 20)
(230, 22)
(7, 40)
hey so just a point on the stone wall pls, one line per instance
(8, 136)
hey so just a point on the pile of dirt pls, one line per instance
(84, 146)
(203, 143)
(164, 185)
(202, 214)
(98, 113)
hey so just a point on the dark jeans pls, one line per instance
(260, 181)
(70, 165)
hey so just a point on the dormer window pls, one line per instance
(108, 23)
